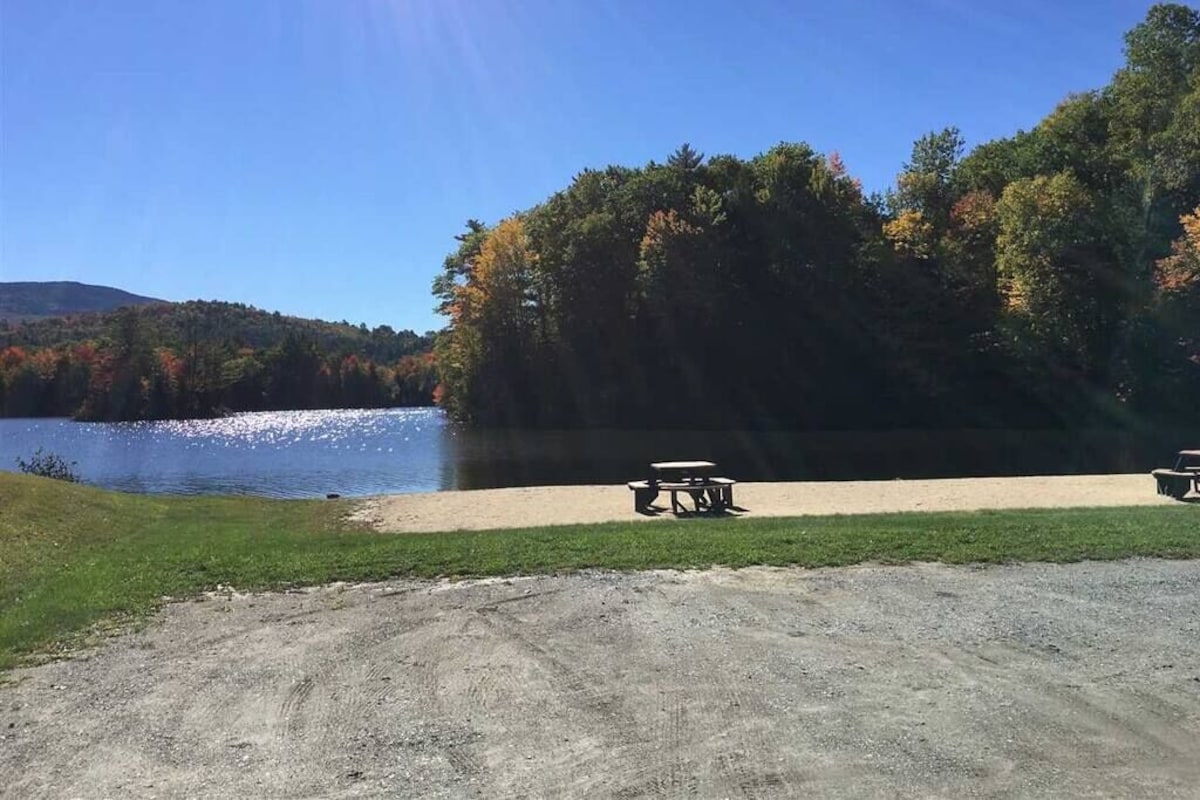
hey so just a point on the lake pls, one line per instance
(363, 452)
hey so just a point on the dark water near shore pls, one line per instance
(310, 453)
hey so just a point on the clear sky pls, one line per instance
(316, 157)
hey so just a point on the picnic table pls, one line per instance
(1184, 475)
(681, 470)
(694, 479)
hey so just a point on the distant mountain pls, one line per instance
(26, 300)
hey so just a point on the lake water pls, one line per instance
(311, 453)
(279, 454)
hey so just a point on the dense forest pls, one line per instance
(201, 359)
(1050, 279)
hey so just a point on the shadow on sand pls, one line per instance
(729, 512)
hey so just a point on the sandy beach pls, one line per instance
(485, 509)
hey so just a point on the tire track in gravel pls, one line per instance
(491, 684)
(589, 703)
(668, 771)
(670, 774)
(581, 690)
(451, 733)
(752, 743)
(290, 720)
(331, 713)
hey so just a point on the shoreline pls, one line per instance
(534, 506)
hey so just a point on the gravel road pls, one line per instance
(921, 681)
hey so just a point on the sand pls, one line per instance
(565, 505)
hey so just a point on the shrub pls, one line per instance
(49, 465)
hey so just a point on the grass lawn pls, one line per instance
(74, 559)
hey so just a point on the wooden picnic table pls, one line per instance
(681, 471)
(693, 478)
(1185, 475)
(1188, 460)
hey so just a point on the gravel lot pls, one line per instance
(926, 681)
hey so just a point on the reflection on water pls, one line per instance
(503, 458)
(311, 453)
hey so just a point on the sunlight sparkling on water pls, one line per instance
(359, 428)
(278, 454)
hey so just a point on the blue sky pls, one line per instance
(316, 157)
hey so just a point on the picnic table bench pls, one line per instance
(693, 479)
(1185, 475)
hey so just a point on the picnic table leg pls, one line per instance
(651, 495)
(716, 499)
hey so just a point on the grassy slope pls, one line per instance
(73, 557)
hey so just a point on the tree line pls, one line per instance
(204, 359)
(174, 324)
(1049, 279)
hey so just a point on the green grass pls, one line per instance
(74, 558)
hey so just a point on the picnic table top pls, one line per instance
(682, 465)
(1190, 453)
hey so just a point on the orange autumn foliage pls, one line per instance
(12, 357)
(1180, 271)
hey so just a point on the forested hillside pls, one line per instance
(200, 359)
(1051, 279)
(24, 300)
